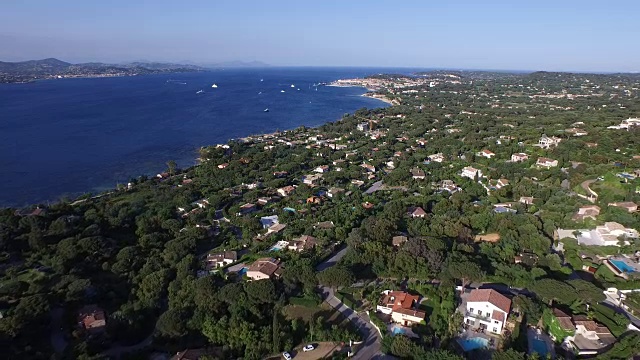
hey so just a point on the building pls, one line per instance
(369, 168)
(627, 205)
(626, 124)
(417, 212)
(471, 173)
(286, 191)
(221, 259)
(399, 240)
(269, 221)
(304, 242)
(608, 234)
(546, 162)
(590, 338)
(486, 153)
(401, 306)
(519, 157)
(487, 309)
(92, 318)
(334, 191)
(527, 200)
(247, 208)
(576, 132)
(448, 185)
(322, 169)
(546, 142)
(502, 183)
(364, 126)
(265, 268)
(586, 212)
(311, 180)
(436, 157)
(418, 174)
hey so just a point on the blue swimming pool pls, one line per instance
(398, 331)
(242, 271)
(473, 343)
(622, 266)
(539, 346)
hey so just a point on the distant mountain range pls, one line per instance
(26, 71)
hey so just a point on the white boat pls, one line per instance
(266, 110)
(261, 80)
(214, 86)
(260, 93)
(298, 89)
(293, 85)
(199, 91)
(281, 90)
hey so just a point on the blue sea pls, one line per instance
(65, 137)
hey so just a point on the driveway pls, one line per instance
(370, 348)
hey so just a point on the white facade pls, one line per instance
(485, 313)
(470, 172)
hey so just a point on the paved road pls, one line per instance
(57, 337)
(370, 349)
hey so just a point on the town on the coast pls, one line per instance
(481, 215)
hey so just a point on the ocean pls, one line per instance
(65, 137)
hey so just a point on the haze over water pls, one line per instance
(71, 136)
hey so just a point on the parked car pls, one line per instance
(309, 347)
(286, 355)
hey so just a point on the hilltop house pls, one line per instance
(92, 319)
(502, 183)
(269, 221)
(247, 209)
(322, 169)
(369, 168)
(311, 180)
(590, 338)
(364, 126)
(221, 259)
(417, 174)
(519, 157)
(546, 162)
(304, 242)
(417, 212)
(401, 306)
(546, 142)
(626, 124)
(487, 309)
(436, 157)
(584, 212)
(265, 268)
(286, 191)
(603, 235)
(486, 153)
(448, 185)
(627, 205)
(471, 173)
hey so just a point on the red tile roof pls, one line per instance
(491, 296)
(497, 315)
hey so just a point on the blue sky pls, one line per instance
(483, 34)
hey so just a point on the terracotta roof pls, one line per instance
(497, 315)
(491, 296)
(92, 317)
(418, 211)
(267, 266)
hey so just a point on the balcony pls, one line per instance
(477, 316)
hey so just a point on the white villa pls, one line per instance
(471, 172)
(603, 235)
(487, 309)
(519, 157)
(546, 162)
(546, 142)
(626, 124)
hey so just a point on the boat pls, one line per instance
(298, 89)
(266, 110)
(293, 86)
(281, 90)
(260, 93)
(199, 91)
(261, 80)
(214, 86)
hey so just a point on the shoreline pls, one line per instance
(106, 190)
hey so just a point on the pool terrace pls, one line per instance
(622, 266)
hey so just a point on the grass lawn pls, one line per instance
(307, 314)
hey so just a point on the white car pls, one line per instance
(308, 348)
(286, 355)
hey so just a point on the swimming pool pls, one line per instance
(473, 343)
(539, 346)
(398, 331)
(622, 266)
(279, 246)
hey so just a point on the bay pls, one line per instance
(64, 137)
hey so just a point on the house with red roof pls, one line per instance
(486, 309)
(401, 306)
(92, 318)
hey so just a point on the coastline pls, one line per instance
(104, 189)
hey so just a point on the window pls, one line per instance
(470, 310)
(480, 312)
(496, 322)
(495, 329)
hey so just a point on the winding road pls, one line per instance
(370, 348)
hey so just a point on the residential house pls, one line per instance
(526, 258)
(322, 169)
(223, 166)
(486, 153)
(502, 183)
(304, 242)
(325, 225)
(369, 168)
(401, 306)
(399, 240)
(590, 338)
(276, 228)
(436, 157)
(364, 126)
(576, 132)
(487, 309)
(546, 162)
(626, 124)
(247, 209)
(286, 191)
(417, 212)
(311, 180)
(265, 268)
(546, 142)
(448, 185)
(603, 235)
(527, 200)
(92, 318)
(627, 205)
(471, 173)
(584, 212)
(417, 174)
(263, 201)
(221, 259)
(357, 183)
(280, 174)
(314, 200)
(519, 157)
(269, 221)
(334, 191)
